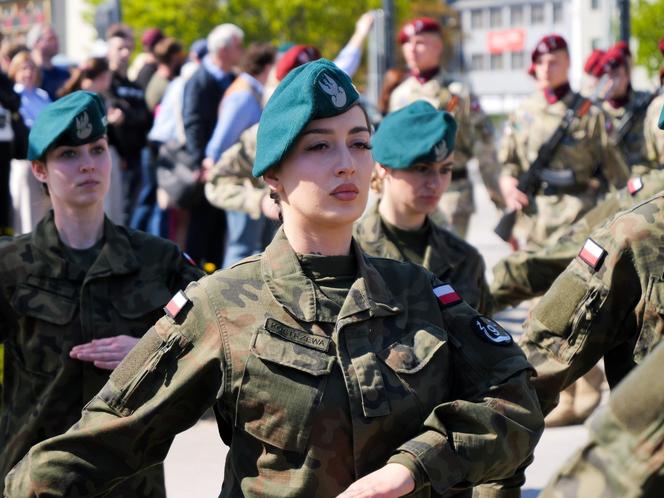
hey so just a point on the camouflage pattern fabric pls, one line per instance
(633, 146)
(232, 186)
(623, 458)
(614, 312)
(309, 399)
(48, 305)
(653, 135)
(585, 149)
(447, 256)
(526, 274)
(475, 138)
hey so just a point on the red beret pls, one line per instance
(593, 61)
(623, 47)
(612, 59)
(661, 46)
(531, 70)
(295, 57)
(417, 26)
(548, 44)
(151, 37)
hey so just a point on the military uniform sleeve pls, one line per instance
(622, 456)
(232, 185)
(586, 312)
(613, 164)
(508, 156)
(160, 389)
(494, 421)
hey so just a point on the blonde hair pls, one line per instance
(19, 59)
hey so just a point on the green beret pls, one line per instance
(75, 119)
(418, 133)
(315, 90)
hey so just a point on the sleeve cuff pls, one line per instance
(409, 461)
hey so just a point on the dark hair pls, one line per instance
(166, 48)
(119, 30)
(92, 68)
(391, 79)
(257, 57)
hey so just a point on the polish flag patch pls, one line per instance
(446, 295)
(634, 185)
(592, 254)
(176, 304)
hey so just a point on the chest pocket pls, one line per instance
(48, 329)
(420, 360)
(138, 305)
(653, 320)
(282, 386)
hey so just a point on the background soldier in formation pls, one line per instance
(422, 47)
(576, 173)
(414, 154)
(78, 292)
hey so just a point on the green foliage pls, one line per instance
(647, 25)
(327, 25)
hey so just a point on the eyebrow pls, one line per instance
(328, 131)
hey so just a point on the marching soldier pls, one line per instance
(422, 47)
(573, 171)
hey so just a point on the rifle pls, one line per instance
(531, 180)
(629, 119)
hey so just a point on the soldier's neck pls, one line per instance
(553, 95)
(397, 216)
(426, 74)
(305, 238)
(79, 228)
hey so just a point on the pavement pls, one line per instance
(195, 463)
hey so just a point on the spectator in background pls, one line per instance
(145, 64)
(94, 75)
(43, 42)
(170, 56)
(202, 94)
(128, 133)
(241, 108)
(28, 201)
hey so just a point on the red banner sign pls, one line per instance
(509, 40)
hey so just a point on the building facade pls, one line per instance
(498, 37)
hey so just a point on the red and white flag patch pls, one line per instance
(446, 295)
(634, 185)
(592, 254)
(176, 304)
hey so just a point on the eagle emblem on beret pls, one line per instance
(83, 126)
(334, 90)
(440, 150)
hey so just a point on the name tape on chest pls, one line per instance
(446, 295)
(634, 185)
(592, 254)
(176, 305)
(489, 331)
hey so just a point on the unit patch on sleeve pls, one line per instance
(446, 295)
(176, 305)
(592, 254)
(489, 331)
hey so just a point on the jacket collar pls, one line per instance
(116, 256)
(369, 295)
(439, 258)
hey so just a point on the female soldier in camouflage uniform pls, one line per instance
(331, 373)
(78, 292)
(414, 152)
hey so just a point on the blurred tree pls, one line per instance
(648, 28)
(327, 25)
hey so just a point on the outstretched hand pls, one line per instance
(105, 353)
(391, 481)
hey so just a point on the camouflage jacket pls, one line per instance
(232, 186)
(585, 150)
(48, 305)
(633, 146)
(447, 256)
(622, 458)
(475, 132)
(309, 399)
(526, 274)
(653, 135)
(609, 303)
